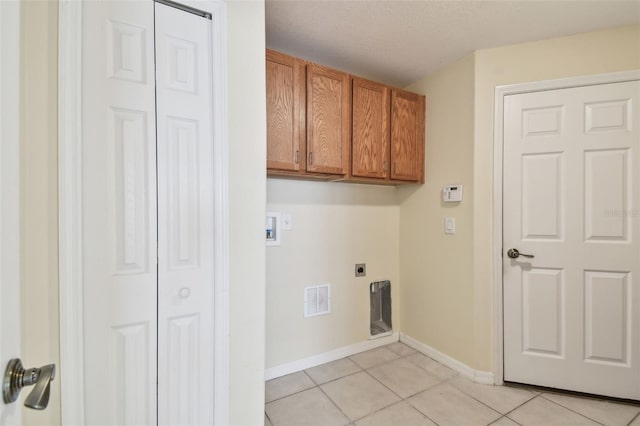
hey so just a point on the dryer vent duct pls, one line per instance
(380, 293)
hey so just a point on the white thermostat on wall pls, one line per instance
(452, 193)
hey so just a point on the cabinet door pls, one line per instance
(370, 127)
(328, 120)
(407, 136)
(285, 112)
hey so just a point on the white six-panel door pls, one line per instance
(119, 213)
(572, 199)
(147, 215)
(185, 218)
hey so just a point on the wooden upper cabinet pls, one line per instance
(328, 120)
(325, 124)
(285, 112)
(407, 136)
(370, 129)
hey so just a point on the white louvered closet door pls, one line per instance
(147, 215)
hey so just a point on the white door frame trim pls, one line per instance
(10, 110)
(70, 214)
(70, 211)
(500, 93)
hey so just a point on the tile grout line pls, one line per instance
(385, 386)
(290, 394)
(418, 410)
(362, 369)
(401, 398)
(268, 418)
(396, 403)
(336, 405)
(570, 409)
(337, 378)
(487, 405)
(449, 381)
(309, 377)
(475, 399)
(366, 370)
(346, 375)
(524, 403)
(375, 365)
(315, 384)
(504, 416)
(456, 374)
(382, 408)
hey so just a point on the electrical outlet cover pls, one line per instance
(287, 221)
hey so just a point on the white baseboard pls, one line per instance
(323, 358)
(484, 377)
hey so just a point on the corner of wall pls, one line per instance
(247, 198)
(436, 270)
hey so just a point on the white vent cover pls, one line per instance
(317, 300)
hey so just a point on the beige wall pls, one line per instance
(335, 226)
(447, 288)
(247, 199)
(436, 270)
(39, 207)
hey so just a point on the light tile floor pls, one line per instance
(397, 386)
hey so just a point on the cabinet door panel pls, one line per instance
(328, 120)
(407, 136)
(285, 112)
(370, 126)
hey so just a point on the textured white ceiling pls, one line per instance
(399, 41)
